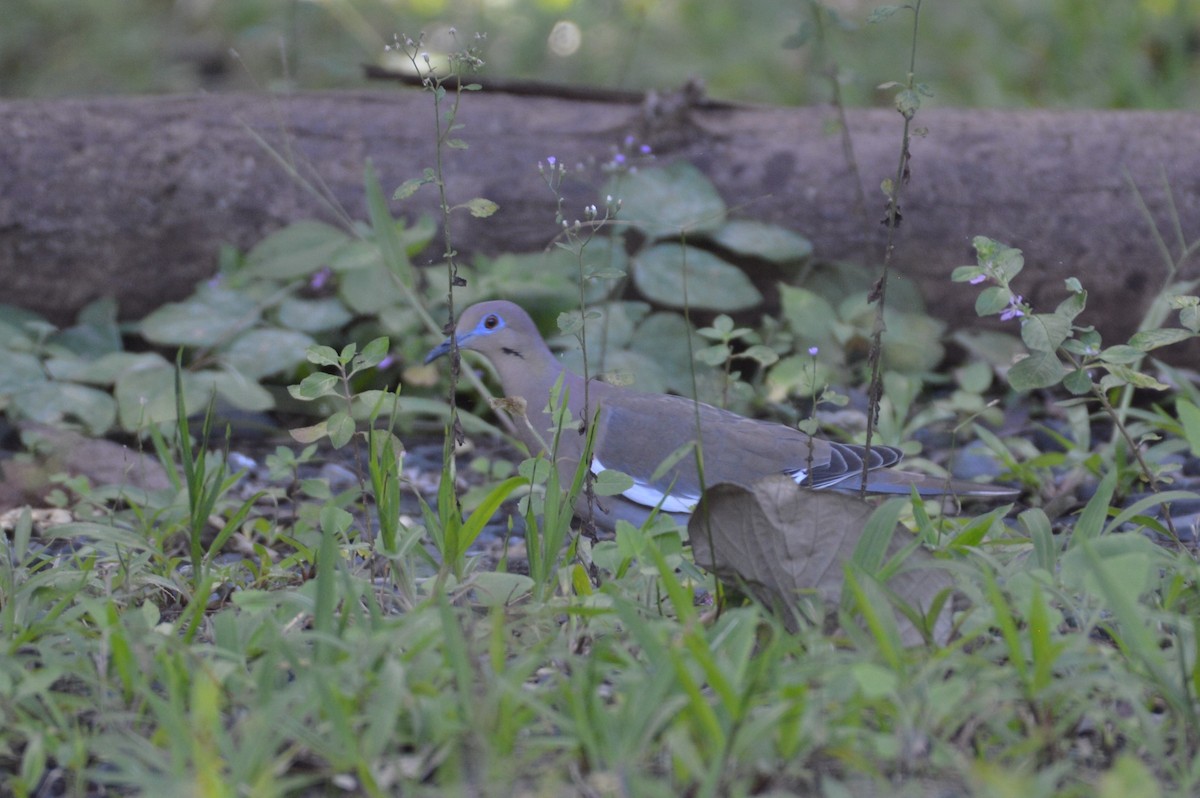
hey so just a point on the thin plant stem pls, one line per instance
(879, 293)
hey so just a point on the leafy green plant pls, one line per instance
(1060, 351)
(205, 482)
(450, 532)
(249, 325)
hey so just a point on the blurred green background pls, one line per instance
(1053, 53)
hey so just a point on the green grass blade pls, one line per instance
(1091, 520)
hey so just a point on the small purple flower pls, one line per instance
(320, 278)
(619, 158)
(1014, 309)
(551, 160)
(386, 362)
(644, 149)
(629, 140)
(977, 279)
(812, 351)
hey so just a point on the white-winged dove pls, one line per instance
(637, 431)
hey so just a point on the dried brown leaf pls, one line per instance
(779, 542)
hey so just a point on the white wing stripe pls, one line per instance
(647, 496)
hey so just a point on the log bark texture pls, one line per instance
(132, 196)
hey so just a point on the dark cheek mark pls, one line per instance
(512, 352)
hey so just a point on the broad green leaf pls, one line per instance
(1120, 375)
(1009, 262)
(1039, 370)
(1072, 306)
(1153, 339)
(95, 335)
(415, 236)
(314, 386)
(263, 352)
(103, 371)
(664, 202)
(1122, 354)
(662, 339)
(322, 355)
(341, 428)
(1190, 317)
(963, 274)
(796, 375)
(19, 371)
(310, 434)
(52, 402)
(611, 483)
(211, 316)
(1078, 382)
(992, 300)
(767, 241)
(714, 355)
(1118, 569)
(408, 188)
(1087, 342)
(550, 279)
(974, 377)
(297, 250)
(369, 290)
(313, 315)
(808, 314)
(498, 588)
(481, 208)
(17, 325)
(147, 396)
(620, 367)
(1045, 331)
(371, 403)
(374, 352)
(570, 322)
(357, 255)
(997, 349)
(241, 392)
(612, 329)
(763, 355)
(913, 342)
(908, 102)
(712, 284)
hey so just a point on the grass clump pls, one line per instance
(353, 647)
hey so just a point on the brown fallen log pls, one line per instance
(133, 196)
